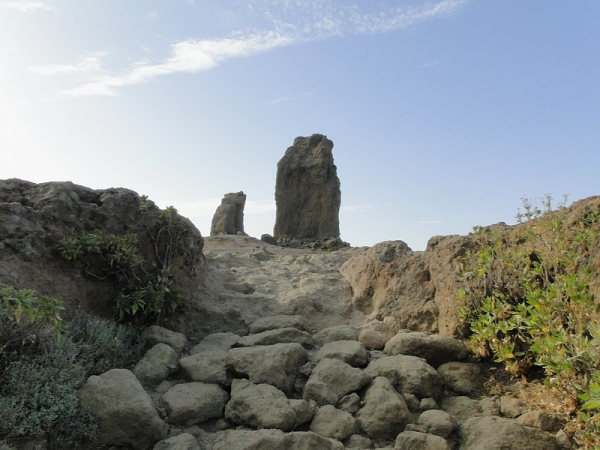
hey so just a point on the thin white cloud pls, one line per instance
(87, 64)
(151, 16)
(28, 7)
(279, 100)
(281, 24)
(428, 65)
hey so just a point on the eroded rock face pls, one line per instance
(307, 191)
(229, 216)
(35, 217)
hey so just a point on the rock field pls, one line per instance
(310, 371)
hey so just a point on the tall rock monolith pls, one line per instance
(229, 216)
(307, 191)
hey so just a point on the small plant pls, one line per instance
(528, 300)
(145, 289)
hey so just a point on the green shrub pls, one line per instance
(529, 303)
(145, 289)
(39, 381)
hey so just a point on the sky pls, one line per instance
(444, 114)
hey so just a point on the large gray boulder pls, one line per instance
(351, 352)
(435, 349)
(158, 335)
(307, 191)
(277, 364)
(408, 374)
(337, 333)
(183, 441)
(278, 336)
(156, 365)
(332, 379)
(275, 322)
(229, 216)
(498, 433)
(462, 378)
(192, 403)
(463, 408)
(207, 366)
(124, 410)
(259, 406)
(385, 413)
(267, 440)
(333, 423)
(415, 440)
(216, 341)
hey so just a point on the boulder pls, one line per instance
(229, 216)
(351, 352)
(435, 349)
(302, 440)
(183, 441)
(463, 408)
(158, 335)
(356, 441)
(275, 322)
(267, 440)
(207, 366)
(333, 423)
(277, 336)
(269, 239)
(511, 407)
(497, 433)
(385, 413)
(337, 333)
(434, 421)
(374, 340)
(408, 374)
(123, 409)
(156, 365)
(540, 419)
(307, 191)
(462, 378)
(276, 364)
(259, 406)
(349, 403)
(333, 379)
(216, 341)
(415, 440)
(192, 403)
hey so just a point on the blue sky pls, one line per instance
(443, 113)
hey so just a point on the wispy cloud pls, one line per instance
(280, 24)
(428, 65)
(152, 15)
(29, 7)
(279, 100)
(88, 64)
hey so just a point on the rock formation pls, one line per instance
(307, 191)
(229, 216)
(35, 217)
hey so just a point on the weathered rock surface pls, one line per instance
(207, 366)
(389, 279)
(158, 335)
(229, 216)
(183, 441)
(463, 408)
(307, 191)
(333, 423)
(156, 365)
(259, 406)
(385, 413)
(415, 440)
(124, 410)
(276, 364)
(216, 341)
(462, 378)
(350, 352)
(408, 374)
(434, 421)
(276, 322)
(268, 440)
(435, 349)
(35, 217)
(337, 333)
(192, 403)
(333, 379)
(497, 433)
(278, 336)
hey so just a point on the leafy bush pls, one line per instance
(145, 290)
(529, 302)
(39, 380)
